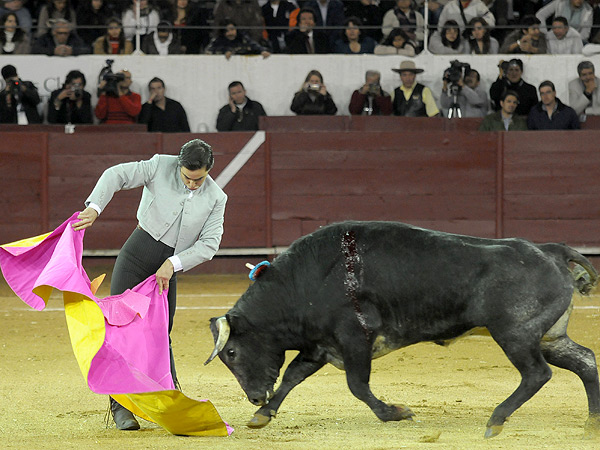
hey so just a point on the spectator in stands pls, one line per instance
(579, 15)
(113, 42)
(584, 92)
(162, 41)
(462, 11)
(117, 103)
(328, 13)
(313, 98)
(13, 39)
(149, 19)
(563, 39)
(480, 40)
(60, 41)
(550, 113)
(352, 40)
(369, 14)
(161, 113)
(92, 13)
(448, 41)
(413, 99)
(510, 78)
(371, 99)
(240, 113)
(71, 103)
(186, 17)
(304, 39)
(404, 16)
(471, 96)
(22, 13)
(504, 13)
(52, 10)
(505, 119)
(245, 13)
(276, 13)
(18, 100)
(397, 43)
(527, 39)
(435, 9)
(231, 41)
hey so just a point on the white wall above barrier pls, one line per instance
(199, 82)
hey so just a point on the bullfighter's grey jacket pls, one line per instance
(164, 198)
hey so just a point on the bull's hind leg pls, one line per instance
(560, 351)
(527, 357)
(297, 371)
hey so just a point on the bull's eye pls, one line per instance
(231, 353)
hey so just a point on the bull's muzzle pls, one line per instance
(224, 330)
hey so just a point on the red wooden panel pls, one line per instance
(303, 123)
(11, 232)
(543, 207)
(104, 144)
(583, 232)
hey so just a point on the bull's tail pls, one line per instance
(584, 273)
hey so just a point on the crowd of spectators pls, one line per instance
(303, 26)
(263, 27)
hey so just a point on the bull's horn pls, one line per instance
(224, 330)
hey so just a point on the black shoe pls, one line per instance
(124, 419)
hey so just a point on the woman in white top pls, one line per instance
(448, 41)
(480, 41)
(13, 40)
(149, 19)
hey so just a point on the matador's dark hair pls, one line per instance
(196, 154)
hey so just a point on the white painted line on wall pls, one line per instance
(240, 159)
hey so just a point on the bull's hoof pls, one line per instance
(259, 421)
(592, 427)
(493, 430)
(403, 412)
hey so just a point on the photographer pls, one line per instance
(371, 99)
(313, 98)
(464, 91)
(71, 103)
(509, 78)
(116, 102)
(18, 100)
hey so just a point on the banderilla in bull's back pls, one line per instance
(354, 291)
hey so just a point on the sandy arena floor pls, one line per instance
(45, 403)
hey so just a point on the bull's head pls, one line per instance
(253, 359)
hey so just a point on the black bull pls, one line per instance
(354, 291)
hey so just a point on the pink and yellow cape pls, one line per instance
(120, 342)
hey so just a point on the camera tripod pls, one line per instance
(454, 110)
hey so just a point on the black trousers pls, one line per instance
(140, 257)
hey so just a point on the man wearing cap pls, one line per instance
(584, 91)
(162, 41)
(180, 225)
(511, 80)
(18, 100)
(413, 99)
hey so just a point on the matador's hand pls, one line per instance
(163, 275)
(87, 217)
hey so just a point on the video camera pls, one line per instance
(111, 87)
(454, 73)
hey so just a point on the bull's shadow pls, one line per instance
(354, 291)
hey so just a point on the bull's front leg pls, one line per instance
(297, 371)
(357, 363)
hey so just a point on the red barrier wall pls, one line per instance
(539, 185)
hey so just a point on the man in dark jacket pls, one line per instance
(277, 14)
(304, 39)
(551, 113)
(18, 100)
(241, 113)
(71, 103)
(510, 80)
(161, 113)
(60, 41)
